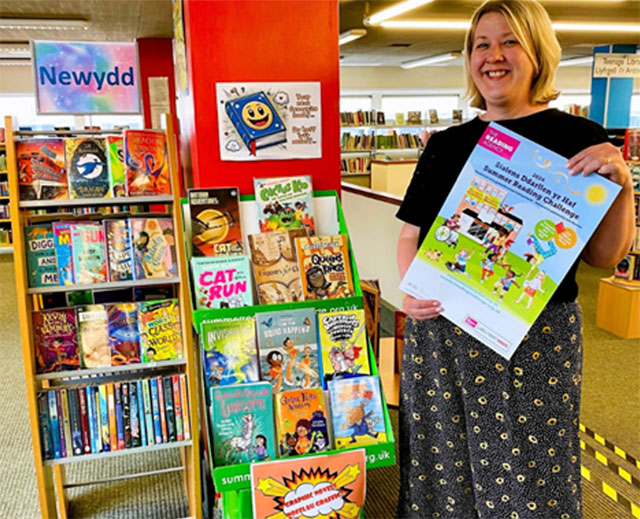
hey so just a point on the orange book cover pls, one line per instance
(146, 163)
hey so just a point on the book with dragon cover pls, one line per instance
(42, 173)
(124, 334)
(119, 251)
(215, 222)
(115, 165)
(325, 271)
(93, 336)
(275, 267)
(301, 420)
(288, 349)
(284, 203)
(154, 248)
(87, 167)
(146, 163)
(160, 330)
(229, 352)
(55, 340)
(222, 282)
(343, 344)
(41, 255)
(243, 418)
(64, 252)
(88, 248)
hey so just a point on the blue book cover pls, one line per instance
(93, 422)
(87, 167)
(117, 390)
(126, 414)
(124, 334)
(155, 406)
(64, 255)
(133, 414)
(89, 261)
(55, 425)
(119, 251)
(222, 282)
(46, 441)
(141, 416)
(104, 418)
(148, 412)
(243, 418)
(256, 121)
(41, 255)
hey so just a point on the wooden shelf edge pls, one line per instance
(102, 286)
(111, 370)
(84, 202)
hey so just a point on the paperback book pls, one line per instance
(88, 249)
(41, 255)
(222, 282)
(87, 167)
(160, 330)
(64, 252)
(119, 250)
(154, 250)
(55, 339)
(146, 163)
(284, 203)
(42, 174)
(115, 165)
(93, 336)
(124, 335)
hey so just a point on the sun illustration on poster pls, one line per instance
(316, 493)
(596, 194)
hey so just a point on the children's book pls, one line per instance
(146, 163)
(160, 330)
(88, 248)
(55, 424)
(91, 413)
(626, 267)
(154, 250)
(63, 442)
(288, 349)
(87, 167)
(222, 282)
(169, 409)
(46, 441)
(55, 340)
(177, 407)
(215, 222)
(343, 344)
(513, 215)
(119, 251)
(124, 335)
(356, 412)
(301, 420)
(115, 164)
(275, 267)
(148, 413)
(184, 400)
(256, 121)
(76, 421)
(284, 203)
(162, 410)
(104, 417)
(42, 174)
(155, 406)
(93, 336)
(325, 270)
(84, 420)
(66, 422)
(64, 254)
(243, 418)
(117, 390)
(230, 353)
(134, 417)
(113, 427)
(126, 414)
(41, 255)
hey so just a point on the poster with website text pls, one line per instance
(310, 487)
(510, 229)
(269, 121)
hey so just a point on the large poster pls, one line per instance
(269, 121)
(86, 77)
(507, 234)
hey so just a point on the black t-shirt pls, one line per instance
(448, 150)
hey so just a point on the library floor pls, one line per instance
(610, 415)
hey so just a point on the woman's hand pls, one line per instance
(421, 309)
(604, 159)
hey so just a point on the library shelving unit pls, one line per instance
(6, 246)
(50, 474)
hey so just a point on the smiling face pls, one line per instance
(500, 68)
(257, 115)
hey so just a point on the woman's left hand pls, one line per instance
(604, 159)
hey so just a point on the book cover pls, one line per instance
(91, 413)
(126, 414)
(63, 444)
(162, 410)
(54, 425)
(229, 351)
(215, 222)
(119, 249)
(343, 344)
(288, 349)
(105, 418)
(325, 270)
(141, 417)
(84, 420)
(55, 340)
(76, 421)
(284, 203)
(93, 336)
(46, 441)
(134, 417)
(356, 412)
(96, 397)
(87, 167)
(146, 163)
(113, 428)
(88, 248)
(117, 391)
(301, 420)
(42, 174)
(155, 409)
(222, 282)
(244, 423)
(184, 399)
(625, 267)
(169, 409)
(177, 407)
(66, 423)
(115, 165)
(160, 330)
(275, 267)
(41, 255)
(64, 254)
(148, 411)
(124, 335)
(154, 250)
(513, 215)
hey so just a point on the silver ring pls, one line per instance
(608, 160)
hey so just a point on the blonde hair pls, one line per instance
(532, 27)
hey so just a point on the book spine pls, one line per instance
(63, 445)
(133, 414)
(148, 412)
(46, 443)
(177, 407)
(104, 418)
(96, 398)
(76, 421)
(119, 422)
(126, 414)
(67, 422)
(93, 424)
(141, 419)
(163, 414)
(155, 404)
(186, 415)
(168, 408)
(111, 407)
(54, 424)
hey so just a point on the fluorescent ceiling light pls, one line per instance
(574, 62)
(15, 61)
(350, 35)
(431, 60)
(597, 27)
(43, 23)
(425, 24)
(15, 50)
(558, 26)
(361, 64)
(397, 9)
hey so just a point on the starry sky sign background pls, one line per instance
(87, 57)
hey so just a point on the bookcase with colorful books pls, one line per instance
(103, 302)
(5, 219)
(287, 327)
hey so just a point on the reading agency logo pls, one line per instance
(499, 143)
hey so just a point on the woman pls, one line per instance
(481, 436)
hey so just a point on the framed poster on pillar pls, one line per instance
(269, 121)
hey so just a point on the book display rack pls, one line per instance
(130, 390)
(6, 246)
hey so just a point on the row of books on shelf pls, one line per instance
(4, 212)
(6, 236)
(106, 335)
(4, 188)
(356, 142)
(134, 164)
(87, 252)
(251, 423)
(92, 419)
(402, 140)
(413, 117)
(629, 267)
(355, 165)
(100, 210)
